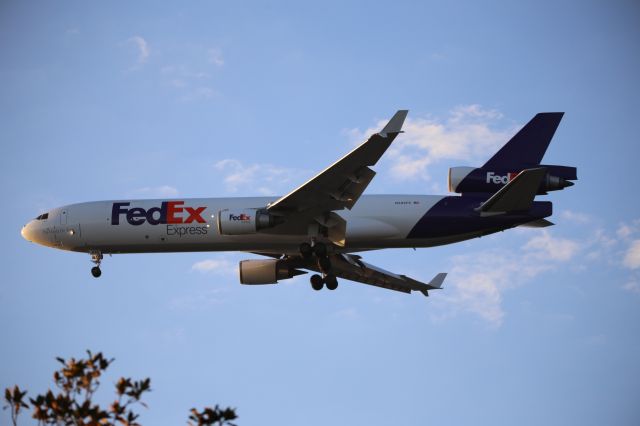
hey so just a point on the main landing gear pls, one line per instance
(319, 250)
(96, 257)
(317, 282)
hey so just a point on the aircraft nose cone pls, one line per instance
(27, 232)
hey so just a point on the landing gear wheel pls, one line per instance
(331, 282)
(316, 282)
(96, 258)
(306, 250)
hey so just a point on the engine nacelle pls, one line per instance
(245, 221)
(471, 179)
(265, 271)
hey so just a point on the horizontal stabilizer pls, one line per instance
(538, 223)
(517, 195)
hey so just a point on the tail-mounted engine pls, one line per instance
(245, 221)
(265, 271)
(470, 179)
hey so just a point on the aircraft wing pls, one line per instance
(350, 267)
(340, 185)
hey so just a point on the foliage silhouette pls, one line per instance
(71, 404)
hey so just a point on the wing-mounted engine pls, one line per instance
(246, 221)
(484, 180)
(266, 271)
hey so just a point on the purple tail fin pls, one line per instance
(528, 146)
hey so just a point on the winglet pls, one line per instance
(435, 284)
(395, 124)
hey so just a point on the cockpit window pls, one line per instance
(43, 216)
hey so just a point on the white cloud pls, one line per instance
(476, 290)
(477, 281)
(265, 179)
(200, 299)
(143, 48)
(624, 231)
(215, 266)
(467, 134)
(546, 246)
(632, 286)
(163, 191)
(214, 56)
(464, 112)
(575, 217)
(632, 256)
(407, 167)
(601, 239)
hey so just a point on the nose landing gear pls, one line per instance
(96, 257)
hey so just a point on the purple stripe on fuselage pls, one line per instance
(456, 215)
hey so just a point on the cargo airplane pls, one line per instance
(321, 225)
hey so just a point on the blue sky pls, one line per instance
(102, 100)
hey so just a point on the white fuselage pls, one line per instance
(376, 221)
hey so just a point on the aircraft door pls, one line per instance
(67, 234)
